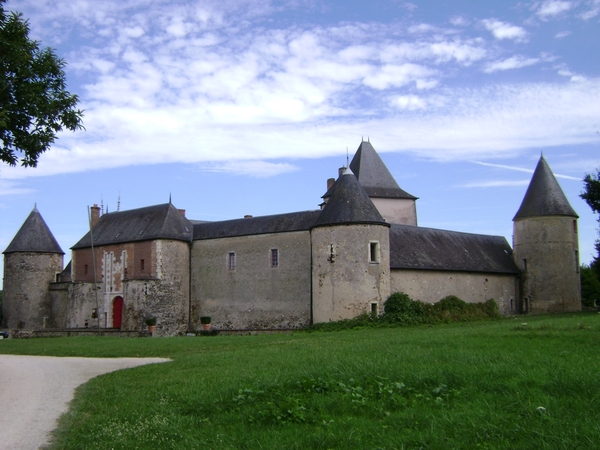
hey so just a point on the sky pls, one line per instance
(236, 107)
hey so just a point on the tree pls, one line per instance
(591, 194)
(590, 286)
(34, 102)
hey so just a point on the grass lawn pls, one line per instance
(526, 382)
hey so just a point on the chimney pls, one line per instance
(182, 211)
(330, 182)
(341, 171)
(95, 213)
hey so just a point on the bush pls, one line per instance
(590, 286)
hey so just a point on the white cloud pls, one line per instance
(592, 11)
(410, 102)
(514, 62)
(12, 188)
(551, 8)
(459, 21)
(258, 169)
(503, 30)
(495, 184)
(562, 34)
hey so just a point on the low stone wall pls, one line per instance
(70, 332)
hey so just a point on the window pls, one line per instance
(274, 257)
(231, 260)
(576, 261)
(374, 310)
(524, 265)
(85, 269)
(142, 264)
(374, 252)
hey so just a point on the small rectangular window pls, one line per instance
(142, 264)
(374, 310)
(231, 260)
(85, 269)
(524, 265)
(576, 261)
(374, 252)
(274, 257)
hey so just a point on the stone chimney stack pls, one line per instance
(182, 212)
(95, 212)
(330, 182)
(341, 171)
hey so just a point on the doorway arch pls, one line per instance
(117, 312)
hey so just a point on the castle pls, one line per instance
(288, 271)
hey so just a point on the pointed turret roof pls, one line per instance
(373, 174)
(142, 224)
(349, 204)
(34, 236)
(544, 197)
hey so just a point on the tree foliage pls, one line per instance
(34, 102)
(590, 286)
(591, 194)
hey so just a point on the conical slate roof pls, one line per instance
(349, 204)
(544, 197)
(34, 236)
(373, 174)
(142, 224)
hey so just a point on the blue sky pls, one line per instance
(247, 107)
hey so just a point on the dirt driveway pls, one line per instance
(36, 390)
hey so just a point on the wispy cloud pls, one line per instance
(521, 169)
(12, 188)
(514, 62)
(503, 30)
(495, 184)
(551, 8)
(258, 169)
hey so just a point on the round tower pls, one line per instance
(31, 262)
(350, 255)
(546, 247)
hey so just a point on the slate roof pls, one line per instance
(374, 176)
(349, 203)
(279, 223)
(34, 236)
(544, 197)
(431, 249)
(142, 224)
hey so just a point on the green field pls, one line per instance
(526, 382)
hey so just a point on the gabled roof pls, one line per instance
(374, 176)
(279, 223)
(142, 224)
(544, 197)
(348, 204)
(34, 236)
(430, 249)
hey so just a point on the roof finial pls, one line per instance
(119, 202)
(347, 157)
(369, 139)
(169, 198)
(102, 204)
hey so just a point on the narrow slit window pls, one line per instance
(374, 310)
(231, 260)
(85, 269)
(524, 265)
(576, 261)
(142, 264)
(274, 257)
(374, 252)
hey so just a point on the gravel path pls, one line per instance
(36, 390)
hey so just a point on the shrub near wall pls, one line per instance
(401, 310)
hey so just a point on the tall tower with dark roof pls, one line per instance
(546, 247)
(350, 254)
(31, 262)
(395, 204)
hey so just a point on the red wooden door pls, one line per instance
(117, 312)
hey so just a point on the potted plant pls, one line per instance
(151, 322)
(205, 321)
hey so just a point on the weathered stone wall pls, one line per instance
(430, 286)
(166, 298)
(345, 282)
(26, 300)
(397, 210)
(81, 303)
(546, 250)
(254, 295)
(59, 302)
